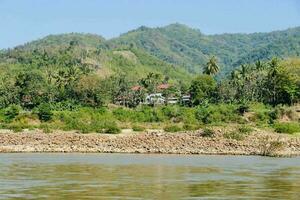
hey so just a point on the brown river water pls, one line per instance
(137, 176)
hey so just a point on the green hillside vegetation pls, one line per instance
(84, 82)
(181, 45)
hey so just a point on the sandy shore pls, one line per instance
(257, 143)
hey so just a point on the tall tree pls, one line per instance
(211, 67)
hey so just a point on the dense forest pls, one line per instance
(76, 81)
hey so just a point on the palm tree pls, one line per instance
(259, 66)
(211, 67)
(244, 72)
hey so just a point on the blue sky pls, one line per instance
(25, 20)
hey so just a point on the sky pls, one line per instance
(26, 20)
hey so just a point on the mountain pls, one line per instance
(181, 45)
(58, 51)
(176, 50)
(52, 41)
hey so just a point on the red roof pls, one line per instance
(163, 86)
(136, 88)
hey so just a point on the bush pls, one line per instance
(149, 114)
(171, 111)
(270, 147)
(11, 112)
(245, 129)
(239, 134)
(16, 128)
(173, 128)
(44, 112)
(243, 108)
(46, 128)
(122, 114)
(235, 135)
(190, 127)
(112, 128)
(207, 132)
(138, 128)
(218, 113)
(290, 128)
(202, 114)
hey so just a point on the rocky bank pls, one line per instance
(257, 143)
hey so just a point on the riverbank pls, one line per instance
(192, 142)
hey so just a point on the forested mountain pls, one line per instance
(181, 45)
(174, 50)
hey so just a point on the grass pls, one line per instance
(138, 128)
(207, 132)
(173, 118)
(239, 133)
(173, 128)
(288, 127)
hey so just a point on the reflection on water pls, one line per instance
(124, 176)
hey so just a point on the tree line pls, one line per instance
(64, 79)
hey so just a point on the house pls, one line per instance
(186, 99)
(155, 98)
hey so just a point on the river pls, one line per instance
(137, 176)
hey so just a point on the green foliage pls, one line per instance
(44, 112)
(46, 128)
(11, 112)
(288, 127)
(138, 128)
(172, 128)
(245, 129)
(211, 67)
(208, 132)
(243, 108)
(81, 73)
(219, 113)
(202, 88)
(111, 128)
(190, 127)
(179, 44)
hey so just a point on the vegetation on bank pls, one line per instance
(65, 87)
(171, 118)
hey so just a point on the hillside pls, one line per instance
(181, 45)
(175, 50)
(51, 41)
(56, 51)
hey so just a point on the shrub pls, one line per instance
(202, 114)
(46, 128)
(112, 128)
(11, 112)
(235, 135)
(171, 111)
(149, 114)
(173, 128)
(138, 128)
(262, 114)
(290, 128)
(270, 147)
(217, 113)
(44, 112)
(239, 134)
(122, 114)
(207, 132)
(190, 127)
(243, 108)
(245, 129)
(16, 128)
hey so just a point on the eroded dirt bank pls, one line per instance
(257, 143)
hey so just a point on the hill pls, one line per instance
(175, 50)
(181, 45)
(55, 51)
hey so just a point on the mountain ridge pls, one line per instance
(178, 44)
